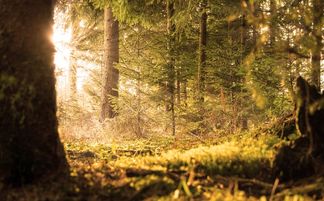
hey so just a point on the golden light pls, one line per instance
(62, 41)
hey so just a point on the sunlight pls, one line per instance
(213, 100)
(61, 39)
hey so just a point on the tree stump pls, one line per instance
(303, 157)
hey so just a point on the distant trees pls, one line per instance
(174, 57)
(29, 144)
(244, 73)
(109, 49)
(317, 35)
(288, 42)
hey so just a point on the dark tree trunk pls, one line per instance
(170, 63)
(185, 93)
(29, 143)
(244, 49)
(201, 68)
(178, 87)
(111, 57)
(273, 25)
(310, 115)
(306, 154)
(139, 130)
(202, 52)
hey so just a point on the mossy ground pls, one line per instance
(164, 168)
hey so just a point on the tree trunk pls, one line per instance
(306, 153)
(139, 131)
(310, 114)
(170, 63)
(202, 52)
(111, 74)
(201, 68)
(273, 28)
(178, 87)
(244, 46)
(29, 142)
(256, 26)
(185, 92)
(318, 10)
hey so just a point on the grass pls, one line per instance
(164, 168)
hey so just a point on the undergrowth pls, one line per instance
(168, 168)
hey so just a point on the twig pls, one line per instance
(131, 172)
(301, 189)
(275, 185)
(251, 181)
(199, 138)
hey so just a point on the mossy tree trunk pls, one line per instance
(305, 156)
(29, 143)
(310, 116)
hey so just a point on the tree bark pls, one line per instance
(29, 143)
(202, 52)
(201, 68)
(111, 57)
(170, 63)
(244, 46)
(178, 87)
(273, 28)
(139, 131)
(318, 10)
(185, 92)
(306, 152)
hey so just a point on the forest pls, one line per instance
(126, 100)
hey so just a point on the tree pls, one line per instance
(170, 63)
(202, 51)
(29, 142)
(111, 57)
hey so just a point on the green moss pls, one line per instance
(6, 82)
(215, 172)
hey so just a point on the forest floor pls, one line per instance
(165, 168)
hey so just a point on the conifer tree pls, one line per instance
(29, 143)
(170, 63)
(111, 57)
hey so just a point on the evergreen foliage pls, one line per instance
(252, 59)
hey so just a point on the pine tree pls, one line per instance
(202, 52)
(29, 142)
(111, 57)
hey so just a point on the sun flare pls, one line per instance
(61, 39)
